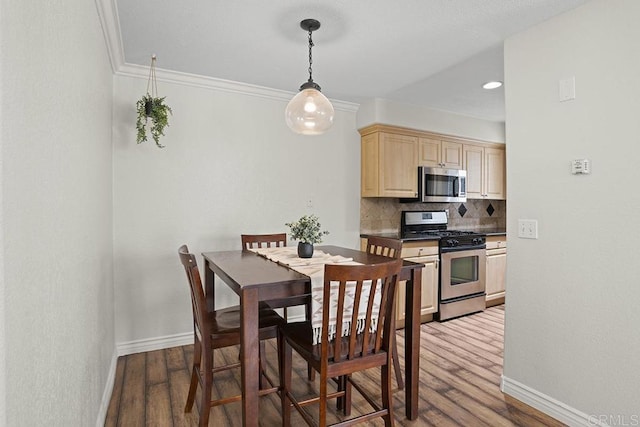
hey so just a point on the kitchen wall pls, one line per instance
(571, 338)
(383, 215)
(56, 278)
(383, 111)
(230, 166)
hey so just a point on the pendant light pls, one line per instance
(309, 112)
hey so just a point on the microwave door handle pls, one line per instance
(456, 187)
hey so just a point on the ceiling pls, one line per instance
(432, 53)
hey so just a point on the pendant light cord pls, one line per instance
(152, 77)
(310, 57)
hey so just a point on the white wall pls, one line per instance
(230, 166)
(55, 135)
(416, 117)
(573, 300)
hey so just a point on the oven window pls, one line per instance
(464, 270)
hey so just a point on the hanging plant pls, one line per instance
(154, 109)
(151, 107)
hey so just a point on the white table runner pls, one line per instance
(314, 268)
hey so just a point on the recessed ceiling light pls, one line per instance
(492, 85)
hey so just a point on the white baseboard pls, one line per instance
(550, 406)
(151, 344)
(131, 347)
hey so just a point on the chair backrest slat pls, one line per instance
(391, 248)
(383, 276)
(250, 241)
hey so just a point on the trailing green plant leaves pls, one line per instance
(159, 119)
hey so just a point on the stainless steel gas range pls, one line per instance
(461, 288)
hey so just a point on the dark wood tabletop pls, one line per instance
(255, 278)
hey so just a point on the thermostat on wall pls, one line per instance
(581, 166)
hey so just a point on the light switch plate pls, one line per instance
(567, 89)
(527, 228)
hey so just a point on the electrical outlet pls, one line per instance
(527, 228)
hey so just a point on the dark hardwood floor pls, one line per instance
(460, 368)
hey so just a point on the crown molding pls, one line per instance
(195, 80)
(108, 13)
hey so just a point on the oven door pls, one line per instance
(462, 273)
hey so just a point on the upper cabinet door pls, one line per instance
(369, 166)
(437, 153)
(389, 165)
(495, 168)
(485, 172)
(430, 153)
(474, 164)
(451, 155)
(399, 171)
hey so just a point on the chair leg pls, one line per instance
(193, 386)
(385, 379)
(322, 410)
(205, 405)
(311, 373)
(261, 367)
(343, 403)
(285, 353)
(396, 367)
(340, 400)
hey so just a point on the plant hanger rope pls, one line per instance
(152, 78)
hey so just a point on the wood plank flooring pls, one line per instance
(460, 368)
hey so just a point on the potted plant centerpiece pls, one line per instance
(307, 232)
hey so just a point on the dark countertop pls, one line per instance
(487, 231)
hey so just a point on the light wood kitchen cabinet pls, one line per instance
(438, 153)
(496, 268)
(427, 254)
(485, 168)
(389, 165)
(390, 156)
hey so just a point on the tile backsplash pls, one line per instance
(382, 215)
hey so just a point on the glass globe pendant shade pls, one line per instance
(309, 112)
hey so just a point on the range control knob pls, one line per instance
(477, 240)
(452, 242)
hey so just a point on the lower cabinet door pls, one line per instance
(496, 273)
(429, 300)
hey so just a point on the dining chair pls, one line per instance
(250, 241)
(276, 240)
(214, 330)
(364, 347)
(391, 248)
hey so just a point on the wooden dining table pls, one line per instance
(255, 279)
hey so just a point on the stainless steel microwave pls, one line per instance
(440, 185)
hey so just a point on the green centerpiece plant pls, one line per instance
(307, 231)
